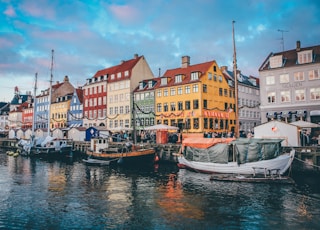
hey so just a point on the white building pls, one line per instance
(290, 85)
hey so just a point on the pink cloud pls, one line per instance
(5, 43)
(10, 11)
(38, 9)
(126, 13)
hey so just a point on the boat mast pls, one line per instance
(34, 104)
(134, 120)
(50, 92)
(235, 84)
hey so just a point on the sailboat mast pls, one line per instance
(235, 83)
(50, 92)
(34, 103)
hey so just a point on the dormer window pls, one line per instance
(141, 85)
(276, 61)
(126, 73)
(178, 78)
(112, 76)
(194, 76)
(164, 81)
(305, 57)
(119, 75)
(150, 85)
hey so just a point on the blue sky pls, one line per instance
(91, 35)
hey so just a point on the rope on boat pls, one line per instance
(316, 166)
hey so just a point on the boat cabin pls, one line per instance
(99, 144)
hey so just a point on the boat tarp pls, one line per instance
(256, 149)
(217, 153)
(246, 150)
(202, 142)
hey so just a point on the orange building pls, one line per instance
(196, 98)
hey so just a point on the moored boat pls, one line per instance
(242, 156)
(127, 153)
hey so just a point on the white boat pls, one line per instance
(54, 146)
(92, 161)
(242, 156)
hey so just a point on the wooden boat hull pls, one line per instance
(280, 163)
(138, 157)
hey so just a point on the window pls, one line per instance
(220, 91)
(165, 92)
(150, 85)
(126, 73)
(180, 105)
(315, 93)
(179, 90)
(196, 104)
(225, 92)
(178, 78)
(209, 76)
(173, 106)
(270, 80)
(165, 107)
(194, 76)
(285, 96)
(220, 78)
(284, 78)
(141, 85)
(300, 94)
(188, 125)
(275, 61)
(195, 123)
(159, 107)
(314, 74)
(305, 56)
(271, 97)
(159, 93)
(195, 88)
(298, 76)
(172, 91)
(112, 76)
(205, 88)
(187, 89)
(205, 104)
(188, 107)
(164, 81)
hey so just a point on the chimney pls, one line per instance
(66, 78)
(298, 46)
(185, 61)
(135, 56)
(224, 68)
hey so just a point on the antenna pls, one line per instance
(282, 39)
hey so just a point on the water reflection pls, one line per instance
(50, 194)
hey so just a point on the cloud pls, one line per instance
(10, 11)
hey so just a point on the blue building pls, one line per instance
(75, 114)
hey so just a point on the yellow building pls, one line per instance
(196, 98)
(59, 112)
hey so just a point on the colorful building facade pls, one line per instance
(196, 98)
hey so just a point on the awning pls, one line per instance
(315, 113)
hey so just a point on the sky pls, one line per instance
(90, 35)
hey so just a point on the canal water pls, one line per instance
(66, 194)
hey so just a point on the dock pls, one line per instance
(253, 179)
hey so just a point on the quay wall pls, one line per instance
(306, 157)
(166, 152)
